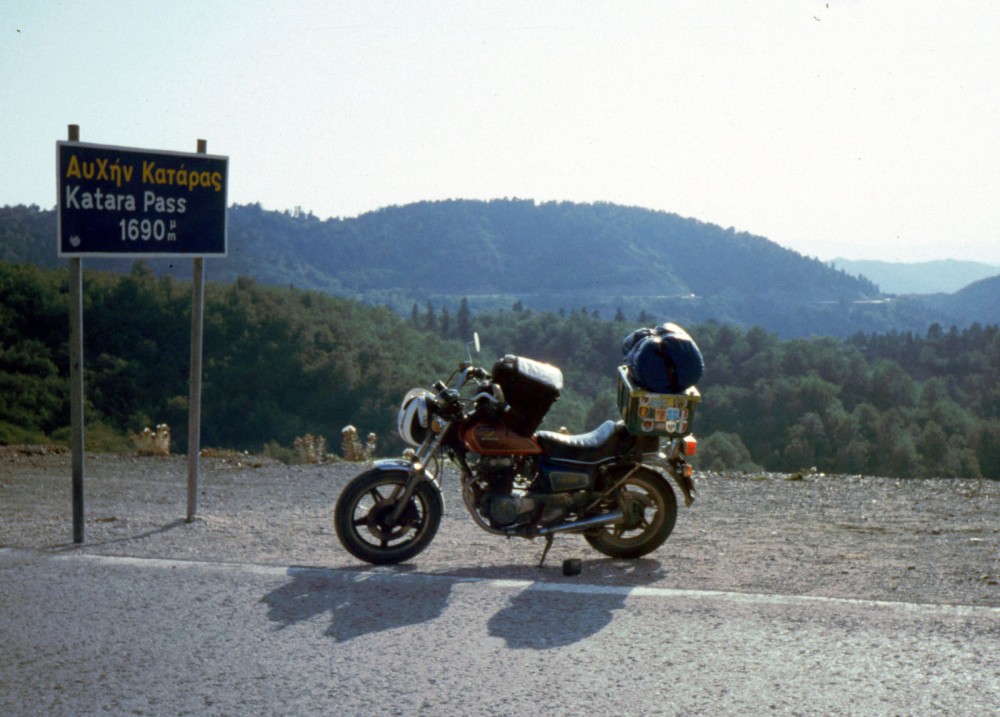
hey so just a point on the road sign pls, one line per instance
(116, 200)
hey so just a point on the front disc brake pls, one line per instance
(377, 520)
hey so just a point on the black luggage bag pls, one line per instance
(530, 388)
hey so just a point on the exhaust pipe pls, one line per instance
(585, 523)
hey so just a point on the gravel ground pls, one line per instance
(923, 541)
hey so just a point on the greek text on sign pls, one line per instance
(116, 200)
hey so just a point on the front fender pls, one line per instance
(387, 465)
(393, 464)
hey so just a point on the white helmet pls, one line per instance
(414, 416)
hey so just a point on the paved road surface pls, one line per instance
(84, 634)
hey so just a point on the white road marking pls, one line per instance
(576, 588)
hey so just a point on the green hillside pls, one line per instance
(280, 363)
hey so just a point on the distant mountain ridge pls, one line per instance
(944, 276)
(978, 298)
(600, 257)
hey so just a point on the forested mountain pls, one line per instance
(945, 276)
(282, 362)
(277, 362)
(981, 298)
(600, 257)
(28, 236)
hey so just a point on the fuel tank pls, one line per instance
(495, 439)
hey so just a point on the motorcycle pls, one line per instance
(608, 485)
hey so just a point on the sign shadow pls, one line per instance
(358, 603)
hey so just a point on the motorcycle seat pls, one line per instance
(593, 447)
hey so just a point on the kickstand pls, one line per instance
(548, 544)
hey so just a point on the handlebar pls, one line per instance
(479, 374)
(471, 374)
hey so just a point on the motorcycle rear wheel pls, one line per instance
(650, 508)
(361, 517)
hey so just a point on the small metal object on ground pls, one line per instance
(572, 566)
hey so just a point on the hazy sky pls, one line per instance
(864, 129)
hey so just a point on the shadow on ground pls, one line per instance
(548, 611)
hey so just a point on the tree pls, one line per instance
(890, 386)
(854, 456)
(464, 320)
(723, 451)
(806, 443)
(933, 448)
(601, 409)
(985, 442)
(895, 450)
(445, 322)
(430, 321)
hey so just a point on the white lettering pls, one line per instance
(162, 205)
(104, 201)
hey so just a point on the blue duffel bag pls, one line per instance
(663, 360)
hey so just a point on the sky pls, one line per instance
(864, 129)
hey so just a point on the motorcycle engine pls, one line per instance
(502, 497)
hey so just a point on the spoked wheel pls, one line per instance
(363, 517)
(650, 511)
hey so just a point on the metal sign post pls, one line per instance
(76, 378)
(194, 396)
(116, 201)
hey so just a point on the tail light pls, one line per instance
(690, 445)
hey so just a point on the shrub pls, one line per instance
(12, 435)
(725, 451)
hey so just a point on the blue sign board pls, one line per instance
(116, 200)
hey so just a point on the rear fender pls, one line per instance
(661, 463)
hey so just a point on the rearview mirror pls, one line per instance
(469, 345)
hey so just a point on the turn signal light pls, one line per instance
(690, 445)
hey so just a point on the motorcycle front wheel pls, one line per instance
(362, 517)
(649, 506)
